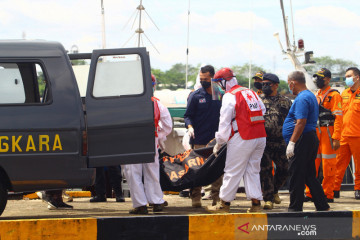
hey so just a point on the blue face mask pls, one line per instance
(349, 81)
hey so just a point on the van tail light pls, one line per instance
(84, 143)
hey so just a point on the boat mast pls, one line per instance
(187, 49)
(292, 50)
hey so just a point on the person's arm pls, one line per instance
(298, 130)
(337, 111)
(301, 112)
(226, 115)
(190, 111)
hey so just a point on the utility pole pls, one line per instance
(103, 25)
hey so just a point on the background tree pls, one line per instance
(174, 78)
(336, 66)
(242, 73)
(79, 62)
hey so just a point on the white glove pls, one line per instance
(162, 146)
(191, 132)
(216, 149)
(290, 150)
(186, 142)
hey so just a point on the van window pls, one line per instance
(81, 74)
(23, 83)
(119, 75)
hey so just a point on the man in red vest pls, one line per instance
(242, 128)
(149, 191)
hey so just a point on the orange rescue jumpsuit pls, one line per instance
(326, 153)
(350, 138)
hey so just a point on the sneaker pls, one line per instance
(119, 199)
(277, 198)
(52, 205)
(98, 199)
(139, 210)
(254, 208)
(157, 207)
(184, 193)
(66, 197)
(336, 194)
(357, 194)
(220, 207)
(268, 205)
(196, 203)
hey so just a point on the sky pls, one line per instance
(222, 33)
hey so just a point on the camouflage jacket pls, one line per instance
(277, 108)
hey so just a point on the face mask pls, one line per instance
(267, 90)
(320, 83)
(349, 81)
(205, 84)
(258, 85)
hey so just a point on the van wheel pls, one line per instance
(3, 197)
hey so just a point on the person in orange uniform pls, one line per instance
(328, 131)
(258, 78)
(350, 135)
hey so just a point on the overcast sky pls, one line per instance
(222, 33)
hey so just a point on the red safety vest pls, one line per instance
(248, 113)
(156, 114)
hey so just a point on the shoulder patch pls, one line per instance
(202, 100)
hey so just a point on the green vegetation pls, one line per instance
(174, 78)
(336, 66)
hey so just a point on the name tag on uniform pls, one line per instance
(202, 100)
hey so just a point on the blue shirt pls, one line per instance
(306, 107)
(203, 114)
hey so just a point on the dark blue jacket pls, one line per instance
(203, 114)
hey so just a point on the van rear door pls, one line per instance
(119, 110)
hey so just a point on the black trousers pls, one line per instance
(115, 178)
(302, 171)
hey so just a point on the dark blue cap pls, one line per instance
(271, 77)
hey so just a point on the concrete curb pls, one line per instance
(303, 225)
